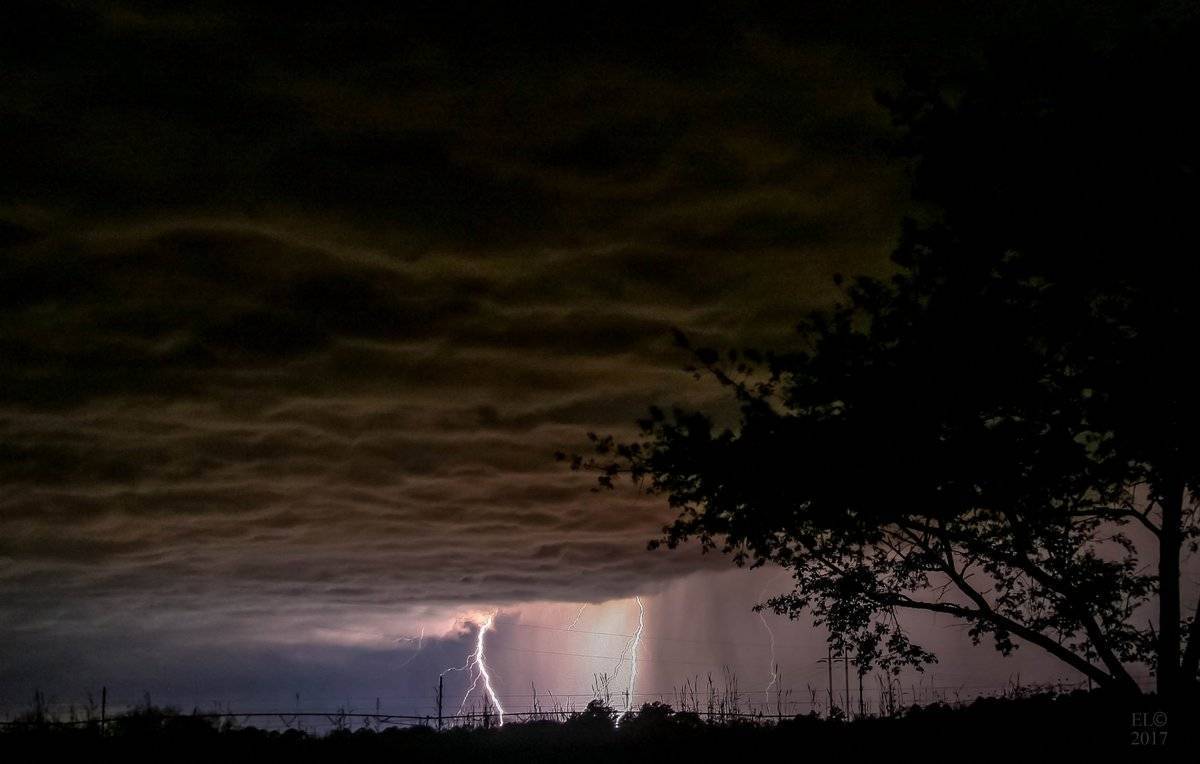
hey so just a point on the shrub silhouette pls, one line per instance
(597, 717)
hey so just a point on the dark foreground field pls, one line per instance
(1038, 728)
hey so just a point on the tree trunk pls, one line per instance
(1191, 656)
(1168, 589)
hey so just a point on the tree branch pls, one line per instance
(1073, 603)
(1024, 632)
(1116, 513)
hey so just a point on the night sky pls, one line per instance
(297, 303)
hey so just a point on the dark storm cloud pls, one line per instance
(296, 302)
(190, 430)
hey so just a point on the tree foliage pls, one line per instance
(1003, 431)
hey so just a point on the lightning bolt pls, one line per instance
(575, 621)
(633, 648)
(476, 667)
(419, 639)
(773, 667)
(483, 671)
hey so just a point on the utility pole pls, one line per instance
(828, 661)
(439, 702)
(861, 710)
(103, 707)
(846, 666)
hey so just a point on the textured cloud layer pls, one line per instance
(297, 303)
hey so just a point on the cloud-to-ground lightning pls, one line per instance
(476, 666)
(633, 649)
(483, 671)
(773, 667)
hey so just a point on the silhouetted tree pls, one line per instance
(597, 717)
(1005, 430)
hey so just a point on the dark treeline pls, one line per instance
(1042, 723)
